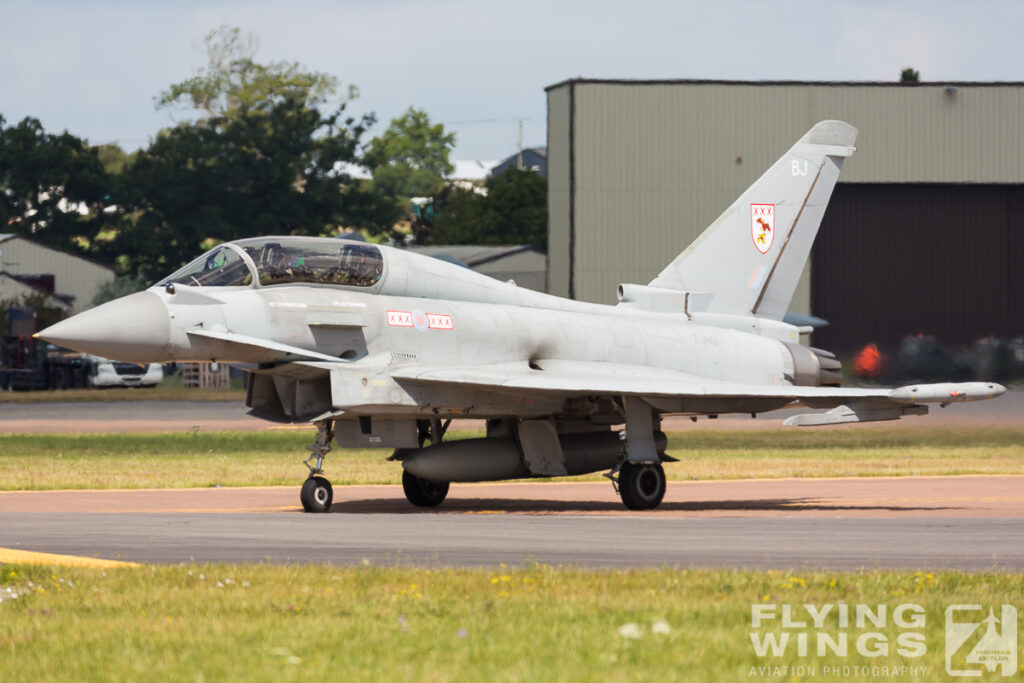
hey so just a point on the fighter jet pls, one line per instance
(376, 346)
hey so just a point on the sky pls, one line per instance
(478, 66)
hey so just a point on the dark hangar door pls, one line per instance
(942, 260)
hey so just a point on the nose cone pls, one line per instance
(133, 328)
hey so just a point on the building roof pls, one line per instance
(472, 169)
(472, 254)
(539, 151)
(534, 158)
(697, 81)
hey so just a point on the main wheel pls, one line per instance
(422, 492)
(317, 495)
(642, 486)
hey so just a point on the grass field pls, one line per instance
(537, 623)
(274, 458)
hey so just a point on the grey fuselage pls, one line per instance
(429, 312)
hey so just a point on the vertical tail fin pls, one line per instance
(751, 257)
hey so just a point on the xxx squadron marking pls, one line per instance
(762, 226)
(420, 320)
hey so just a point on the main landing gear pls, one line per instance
(641, 480)
(423, 492)
(317, 494)
(640, 485)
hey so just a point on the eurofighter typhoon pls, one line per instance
(376, 346)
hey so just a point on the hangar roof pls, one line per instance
(710, 81)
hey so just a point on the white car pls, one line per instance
(110, 373)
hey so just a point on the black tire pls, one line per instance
(317, 495)
(423, 493)
(642, 486)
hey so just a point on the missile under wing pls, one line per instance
(379, 347)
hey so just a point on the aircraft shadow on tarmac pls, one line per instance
(511, 505)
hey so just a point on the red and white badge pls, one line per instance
(400, 318)
(439, 321)
(762, 226)
(420, 320)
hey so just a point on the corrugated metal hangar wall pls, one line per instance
(921, 235)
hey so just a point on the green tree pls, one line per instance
(265, 156)
(460, 217)
(909, 75)
(234, 82)
(53, 187)
(513, 211)
(409, 159)
(273, 169)
(114, 159)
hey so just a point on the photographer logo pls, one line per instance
(975, 642)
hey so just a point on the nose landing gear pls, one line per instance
(317, 493)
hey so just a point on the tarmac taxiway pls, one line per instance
(969, 523)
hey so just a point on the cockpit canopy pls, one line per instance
(283, 260)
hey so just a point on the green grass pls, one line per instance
(847, 452)
(57, 461)
(60, 461)
(536, 623)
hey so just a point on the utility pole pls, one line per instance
(519, 161)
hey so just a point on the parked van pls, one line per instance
(110, 373)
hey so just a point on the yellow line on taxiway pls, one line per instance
(12, 556)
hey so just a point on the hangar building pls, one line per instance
(69, 282)
(923, 234)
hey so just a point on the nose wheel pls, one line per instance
(317, 494)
